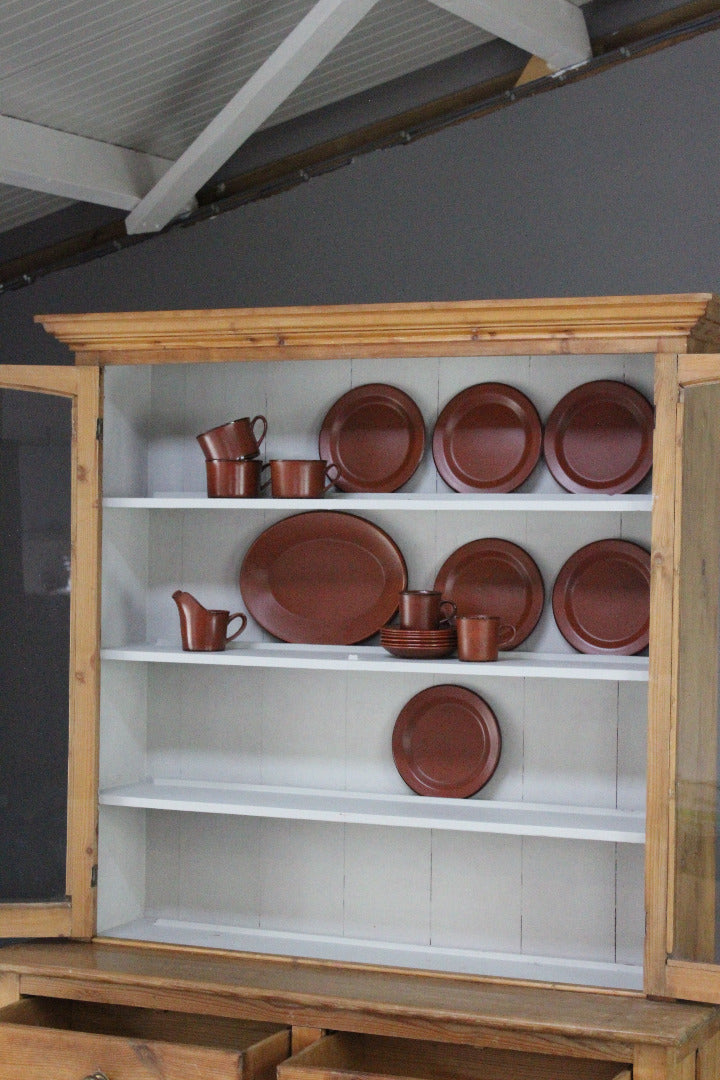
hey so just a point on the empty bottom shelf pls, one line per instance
(352, 950)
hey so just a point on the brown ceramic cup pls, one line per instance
(209, 633)
(423, 609)
(479, 637)
(234, 479)
(234, 440)
(300, 478)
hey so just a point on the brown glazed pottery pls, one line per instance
(446, 742)
(299, 478)
(324, 577)
(233, 479)
(204, 629)
(495, 577)
(601, 598)
(375, 435)
(479, 637)
(423, 609)
(487, 438)
(599, 438)
(234, 440)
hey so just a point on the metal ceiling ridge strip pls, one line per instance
(690, 20)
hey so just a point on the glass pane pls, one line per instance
(35, 509)
(697, 832)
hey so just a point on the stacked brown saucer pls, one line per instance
(419, 644)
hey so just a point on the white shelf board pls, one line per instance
(408, 811)
(375, 658)
(353, 950)
(521, 501)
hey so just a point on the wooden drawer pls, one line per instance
(43, 1038)
(369, 1057)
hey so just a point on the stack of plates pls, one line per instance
(419, 644)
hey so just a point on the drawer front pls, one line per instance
(361, 1057)
(33, 1047)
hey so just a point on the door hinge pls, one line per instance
(99, 429)
(93, 877)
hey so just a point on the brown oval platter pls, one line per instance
(323, 577)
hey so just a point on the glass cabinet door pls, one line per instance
(690, 735)
(49, 465)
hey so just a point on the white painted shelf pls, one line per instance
(366, 808)
(520, 501)
(375, 658)
(353, 950)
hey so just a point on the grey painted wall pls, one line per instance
(608, 185)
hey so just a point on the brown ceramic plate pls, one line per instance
(375, 437)
(323, 577)
(599, 438)
(494, 577)
(420, 652)
(487, 438)
(446, 742)
(601, 599)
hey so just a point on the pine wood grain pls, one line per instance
(590, 325)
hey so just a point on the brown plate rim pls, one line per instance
(428, 698)
(559, 422)
(600, 549)
(337, 413)
(493, 544)
(461, 480)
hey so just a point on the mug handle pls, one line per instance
(243, 624)
(331, 479)
(263, 421)
(505, 634)
(452, 613)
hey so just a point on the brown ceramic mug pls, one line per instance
(480, 637)
(301, 478)
(210, 633)
(234, 440)
(234, 479)
(423, 609)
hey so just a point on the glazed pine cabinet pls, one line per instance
(248, 808)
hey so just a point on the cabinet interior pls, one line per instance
(225, 817)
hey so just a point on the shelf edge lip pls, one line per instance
(552, 666)
(522, 502)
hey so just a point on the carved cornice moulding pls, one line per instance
(668, 323)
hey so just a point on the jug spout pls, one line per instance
(187, 604)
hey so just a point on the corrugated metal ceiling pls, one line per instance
(150, 74)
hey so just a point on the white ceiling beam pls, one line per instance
(42, 159)
(325, 25)
(554, 30)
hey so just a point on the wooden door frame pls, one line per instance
(666, 976)
(75, 915)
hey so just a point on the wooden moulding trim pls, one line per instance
(607, 324)
(37, 920)
(686, 979)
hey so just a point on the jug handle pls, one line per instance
(331, 479)
(243, 624)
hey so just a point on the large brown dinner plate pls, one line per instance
(323, 577)
(375, 437)
(487, 438)
(446, 742)
(494, 577)
(599, 438)
(601, 598)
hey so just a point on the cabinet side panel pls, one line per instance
(126, 430)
